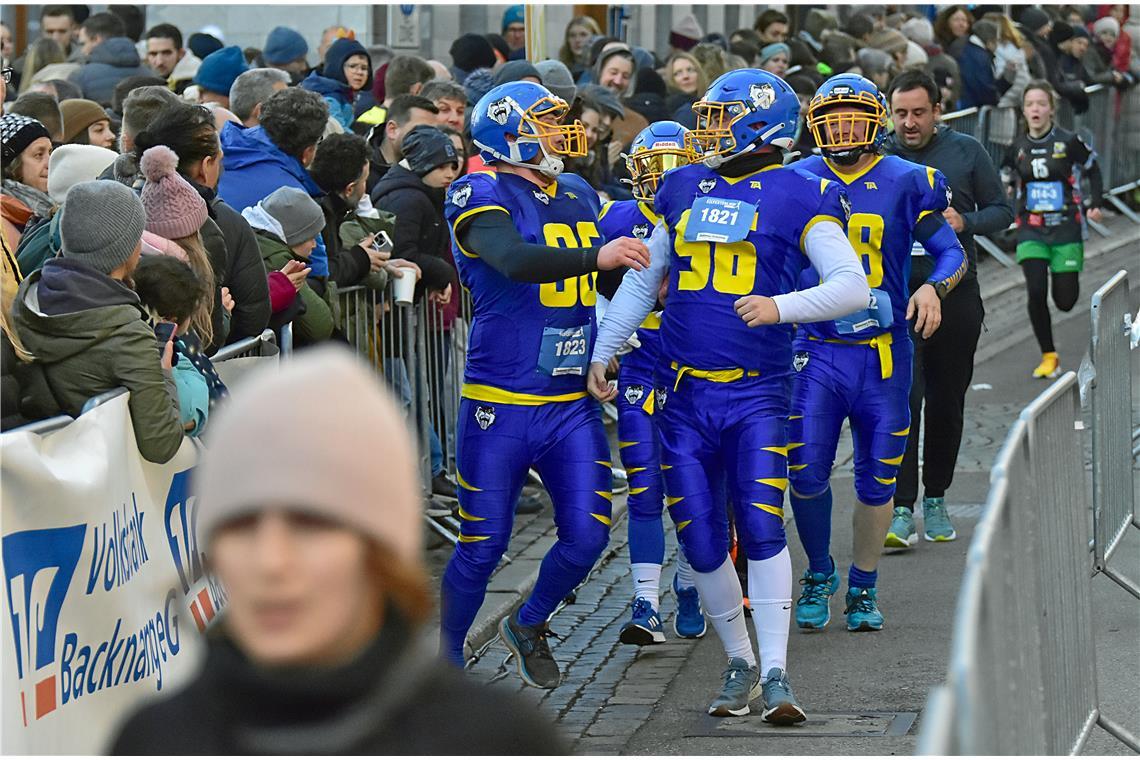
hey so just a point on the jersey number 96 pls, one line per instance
(573, 290)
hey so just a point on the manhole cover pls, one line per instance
(818, 724)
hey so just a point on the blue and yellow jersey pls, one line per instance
(887, 199)
(526, 338)
(700, 327)
(635, 219)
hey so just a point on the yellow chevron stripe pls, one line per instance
(636, 491)
(903, 432)
(463, 483)
(796, 467)
(794, 446)
(777, 511)
(472, 539)
(796, 417)
(682, 525)
(465, 515)
(781, 483)
(885, 481)
(893, 460)
(626, 444)
(635, 470)
(602, 518)
(781, 450)
(671, 500)
(666, 467)
(607, 495)
(603, 464)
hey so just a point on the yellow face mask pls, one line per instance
(540, 122)
(647, 165)
(713, 135)
(846, 122)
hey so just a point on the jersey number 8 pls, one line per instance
(865, 231)
(573, 290)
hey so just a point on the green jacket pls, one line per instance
(88, 333)
(316, 324)
(42, 244)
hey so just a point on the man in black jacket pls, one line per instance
(341, 169)
(943, 364)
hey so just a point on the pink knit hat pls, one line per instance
(156, 245)
(174, 209)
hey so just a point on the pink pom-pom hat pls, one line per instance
(174, 209)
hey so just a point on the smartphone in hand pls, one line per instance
(382, 242)
(163, 332)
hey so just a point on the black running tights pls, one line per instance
(1066, 290)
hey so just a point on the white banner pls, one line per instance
(104, 591)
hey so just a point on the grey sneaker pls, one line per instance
(936, 523)
(780, 706)
(536, 664)
(902, 533)
(741, 686)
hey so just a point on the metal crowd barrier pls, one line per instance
(1022, 677)
(1114, 500)
(257, 346)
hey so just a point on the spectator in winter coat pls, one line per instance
(976, 62)
(217, 74)
(337, 540)
(413, 191)
(110, 61)
(1109, 57)
(27, 152)
(189, 131)
(347, 71)
(78, 316)
(287, 224)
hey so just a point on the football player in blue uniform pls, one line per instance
(657, 149)
(527, 246)
(736, 231)
(859, 367)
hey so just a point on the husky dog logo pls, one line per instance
(707, 184)
(543, 197)
(634, 394)
(500, 111)
(843, 201)
(800, 360)
(641, 231)
(660, 395)
(485, 416)
(461, 196)
(949, 196)
(762, 95)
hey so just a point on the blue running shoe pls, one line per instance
(780, 706)
(689, 622)
(813, 608)
(902, 533)
(936, 522)
(645, 628)
(863, 610)
(536, 663)
(741, 686)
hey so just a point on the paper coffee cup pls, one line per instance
(404, 288)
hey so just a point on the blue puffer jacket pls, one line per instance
(112, 61)
(336, 94)
(254, 168)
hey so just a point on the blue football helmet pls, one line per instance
(656, 149)
(742, 111)
(848, 117)
(530, 114)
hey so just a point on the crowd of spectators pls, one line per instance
(256, 182)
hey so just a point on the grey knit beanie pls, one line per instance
(101, 224)
(300, 217)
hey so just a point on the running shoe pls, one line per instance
(1049, 367)
(780, 706)
(863, 610)
(902, 533)
(689, 622)
(813, 608)
(936, 523)
(741, 686)
(645, 627)
(536, 664)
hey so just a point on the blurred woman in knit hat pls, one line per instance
(27, 151)
(86, 123)
(320, 648)
(774, 58)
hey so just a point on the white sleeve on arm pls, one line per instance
(634, 299)
(844, 288)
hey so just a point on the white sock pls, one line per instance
(684, 571)
(770, 593)
(723, 602)
(647, 582)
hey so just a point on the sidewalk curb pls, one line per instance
(486, 626)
